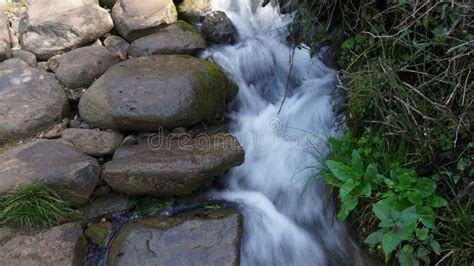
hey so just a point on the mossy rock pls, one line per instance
(97, 232)
(146, 93)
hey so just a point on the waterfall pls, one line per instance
(288, 220)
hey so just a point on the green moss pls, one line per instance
(208, 97)
(97, 232)
(189, 17)
(184, 56)
(146, 206)
(186, 26)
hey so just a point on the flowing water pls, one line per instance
(288, 220)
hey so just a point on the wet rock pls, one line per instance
(193, 11)
(218, 28)
(117, 46)
(93, 142)
(54, 164)
(44, 66)
(80, 67)
(167, 167)
(135, 19)
(106, 206)
(26, 56)
(55, 131)
(56, 26)
(179, 38)
(146, 93)
(30, 100)
(129, 140)
(107, 3)
(74, 95)
(97, 232)
(211, 240)
(5, 38)
(61, 245)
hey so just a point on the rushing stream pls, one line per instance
(288, 220)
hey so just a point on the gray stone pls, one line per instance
(218, 28)
(203, 240)
(80, 67)
(194, 11)
(129, 140)
(61, 245)
(105, 206)
(145, 93)
(135, 19)
(55, 131)
(166, 167)
(179, 38)
(5, 38)
(55, 164)
(44, 66)
(30, 100)
(56, 26)
(117, 46)
(26, 56)
(93, 142)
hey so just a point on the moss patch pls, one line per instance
(97, 232)
(186, 26)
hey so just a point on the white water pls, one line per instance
(287, 221)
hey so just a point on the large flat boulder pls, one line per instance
(146, 93)
(61, 245)
(81, 67)
(55, 26)
(167, 167)
(60, 166)
(30, 100)
(204, 240)
(178, 38)
(134, 19)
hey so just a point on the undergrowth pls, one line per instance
(403, 171)
(35, 206)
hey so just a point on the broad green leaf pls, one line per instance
(422, 234)
(436, 201)
(390, 241)
(384, 212)
(357, 164)
(436, 247)
(407, 259)
(422, 252)
(340, 170)
(408, 248)
(374, 238)
(409, 216)
(428, 217)
(371, 172)
(349, 203)
(366, 190)
(347, 187)
(425, 187)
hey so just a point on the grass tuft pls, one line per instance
(35, 206)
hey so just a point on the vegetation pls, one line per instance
(404, 170)
(35, 206)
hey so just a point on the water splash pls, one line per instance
(288, 221)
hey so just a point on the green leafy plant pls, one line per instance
(403, 203)
(35, 206)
